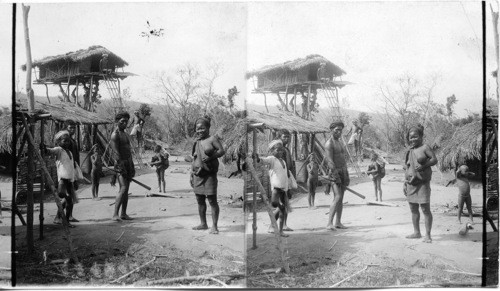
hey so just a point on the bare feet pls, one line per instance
(270, 230)
(283, 234)
(330, 227)
(427, 239)
(200, 227)
(340, 226)
(286, 228)
(213, 230)
(126, 217)
(116, 218)
(57, 221)
(414, 235)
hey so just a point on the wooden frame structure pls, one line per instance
(26, 127)
(258, 121)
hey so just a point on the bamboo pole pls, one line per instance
(254, 197)
(53, 188)
(42, 184)
(494, 17)
(277, 235)
(29, 91)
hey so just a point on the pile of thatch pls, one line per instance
(78, 56)
(284, 120)
(298, 64)
(465, 146)
(64, 111)
(6, 133)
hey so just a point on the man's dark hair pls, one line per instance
(336, 123)
(122, 114)
(283, 131)
(69, 122)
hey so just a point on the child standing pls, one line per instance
(312, 180)
(278, 174)
(95, 174)
(463, 176)
(374, 169)
(65, 173)
(160, 161)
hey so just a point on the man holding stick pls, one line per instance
(335, 154)
(124, 166)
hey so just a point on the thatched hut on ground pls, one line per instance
(464, 148)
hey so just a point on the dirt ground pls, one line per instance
(161, 227)
(375, 240)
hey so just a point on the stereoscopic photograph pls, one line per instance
(260, 144)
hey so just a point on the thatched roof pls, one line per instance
(6, 133)
(283, 120)
(465, 145)
(298, 64)
(64, 111)
(80, 55)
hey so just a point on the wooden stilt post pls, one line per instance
(65, 224)
(295, 100)
(42, 183)
(29, 188)
(254, 197)
(309, 102)
(265, 102)
(277, 235)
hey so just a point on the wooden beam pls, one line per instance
(254, 197)
(65, 223)
(42, 183)
(29, 91)
(29, 189)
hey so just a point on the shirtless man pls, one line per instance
(335, 153)
(120, 144)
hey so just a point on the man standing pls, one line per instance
(124, 166)
(335, 153)
(284, 136)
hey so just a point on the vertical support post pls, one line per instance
(76, 95)
(29, 90)
(312, 142)
(295, 100)
(254, 198)
(29, 186)
(265, 102)
(90, 91)
(42, 182)
(309, 102)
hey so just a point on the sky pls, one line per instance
(374, 42)
(195, 33)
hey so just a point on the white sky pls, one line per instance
(372, 41)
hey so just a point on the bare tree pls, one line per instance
(400, 104)
(180, 93)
